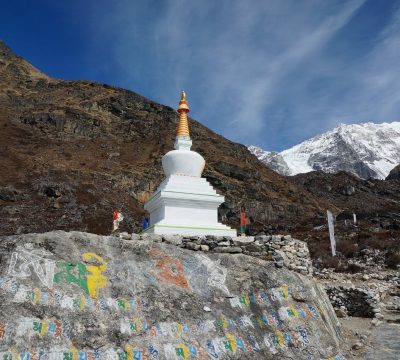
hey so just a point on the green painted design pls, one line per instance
(218, 324)
(76, 303)
(123, 355)
(121, 303)
(179, 352)
(37, 326)
(72, 272)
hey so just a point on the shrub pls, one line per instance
(354, 268)
(392, 260)
(330, 262)
(347, 246)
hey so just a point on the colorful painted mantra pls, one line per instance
(278, 294)
(56, 298)
(215, 349)
(31, 326)
(265, 320)
(88, 277)
(59, 353)
(229, 327)
(173, 330)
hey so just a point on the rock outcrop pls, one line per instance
(394, 174)
(83, 296)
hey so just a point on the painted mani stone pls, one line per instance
(256, 313)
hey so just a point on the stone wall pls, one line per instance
(283, 250)
(79, 296)
(354, 301)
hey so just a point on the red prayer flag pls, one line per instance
(243, 220)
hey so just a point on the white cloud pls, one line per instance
(366, 89)
(380, 85)
(250, 67)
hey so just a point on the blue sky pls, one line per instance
(268, 73)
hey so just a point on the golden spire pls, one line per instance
(183, 109)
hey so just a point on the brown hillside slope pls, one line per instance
(70, 151)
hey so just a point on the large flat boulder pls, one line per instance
(82, 296)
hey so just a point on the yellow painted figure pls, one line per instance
(232, 340)
(95, 281)
(280, 337)
(285, 291)
(74, 352)
(36, 295)
(88, 277)
(183, 351)
(129, 352)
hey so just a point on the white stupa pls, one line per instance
(185, 203)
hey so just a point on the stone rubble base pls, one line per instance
(352, 301)
(283, 250)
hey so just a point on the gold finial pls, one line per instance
(183, 109)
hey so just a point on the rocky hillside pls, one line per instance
(394, 174)
(366, 150)
(147, 299)
(71, 151)
(376, 204)
(373, 201)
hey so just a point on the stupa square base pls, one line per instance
(164, 229)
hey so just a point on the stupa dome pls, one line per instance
(183, 162)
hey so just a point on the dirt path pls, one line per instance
(385, 342)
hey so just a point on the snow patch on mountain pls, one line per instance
(366, 150)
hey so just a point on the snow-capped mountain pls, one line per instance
(367, 150)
